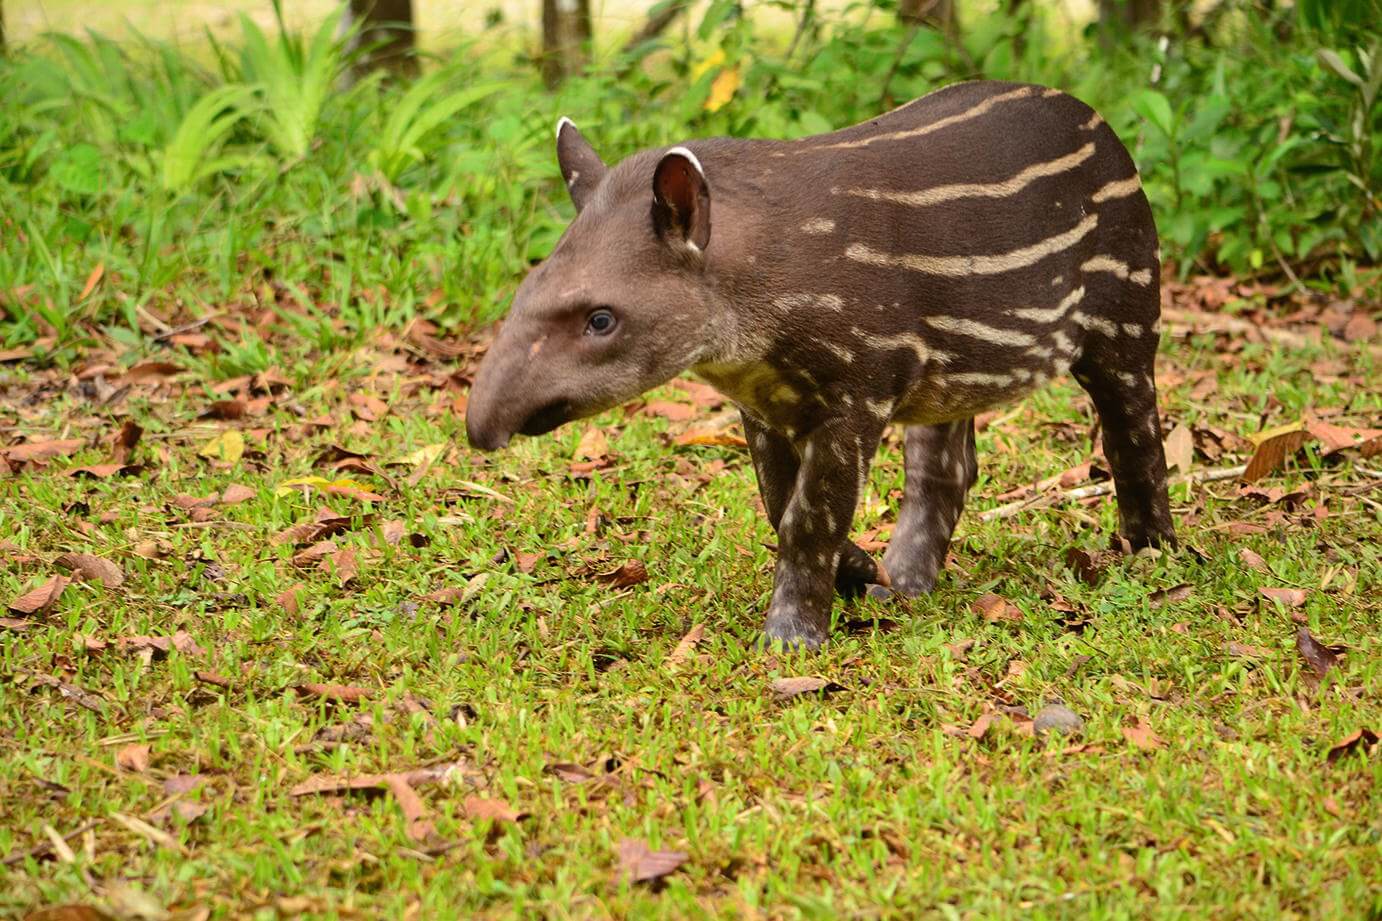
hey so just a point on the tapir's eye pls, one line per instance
(601, 322)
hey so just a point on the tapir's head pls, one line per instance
(621, 305)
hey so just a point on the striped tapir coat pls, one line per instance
(919, 268)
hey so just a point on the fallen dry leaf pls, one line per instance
(687, 645)
(639, 864)
(478, 808)
(104, 471)
(39, 600)
(92, 568)
(125, 440)
(1252, 560)
(288, 598)
(1273, 446)
(160, 646)
(1180, 449)
(133, 758)
(43, 450)
(1089, 566)
(1141, 735)
(69, 912)
(995, 608)
(227, 447)
(1360, 740)
(315, 553)
(632, 572)
(787, 688)
(340, 693)
(326, 524)
(343, 565)
(92, 280)
(1172, 594)
(676, 412)
(1319, 657)
(1289, 597)
(1335, 438)
(711, 439)
(235, 494)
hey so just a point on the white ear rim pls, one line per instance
(562, 123)
(682, 151)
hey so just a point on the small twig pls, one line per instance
(46, 846)
(1100, 489)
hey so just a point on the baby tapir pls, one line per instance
(916, 269)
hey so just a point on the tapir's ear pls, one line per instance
(581, 166)
(681, 199)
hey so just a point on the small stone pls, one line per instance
(1057, 718)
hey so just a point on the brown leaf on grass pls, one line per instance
(959, 650)
(1335, 438)
(225, 410)
(1273, 447)
(1253, 560)
(125, 440)
(570, 773)
(92, 280)
(1180, 449)
(326, 524)
(787, 688)
(712, 439)
(1288, 597)
(995, 608)
(527, 562)
(92, 568)
(1170, 595)
(1088, 566)
(687, 646)
(631, 572)
(104, 471)
(1140, 734)
(72, 692)
(675, 412)
(212, 678)
(159, 646)
(980, 727)
(288, 599)
(39, 600)
(640, 864)
(343, 565)
(1360, 327)
(393, 531)
(43, 450)
(1243, 650)
(338, 693)
(235, 494)
(368, 407)
(1318, 656)
(315, 553)
(17, 624)
(151, 370)
(133, 758)
(1359, 740)
(401, 784)
(478, 809)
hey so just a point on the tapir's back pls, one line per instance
(997, 224)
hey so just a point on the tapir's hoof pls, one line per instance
(792, 636)
(881, 592)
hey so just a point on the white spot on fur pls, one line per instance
(839, 351)
(803, 301)
(1094, 122)
(879, 409)
(980, 379)
(1057, 280)
(1132, 329)
(818, 225)
(1128, 378)
(1141, 277)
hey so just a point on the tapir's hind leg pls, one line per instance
(1118, 374)
(941, 467)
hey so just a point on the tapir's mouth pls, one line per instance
(547, 418)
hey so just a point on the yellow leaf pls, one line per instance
(1276, 432)
(704, 67)
(288, 487)
(428, 454)
(722, 89)
(227, 446)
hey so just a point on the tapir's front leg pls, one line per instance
(834, 461)
(775, 464)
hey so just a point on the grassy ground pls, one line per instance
(1202, 783)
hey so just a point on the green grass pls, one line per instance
(857, 803)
